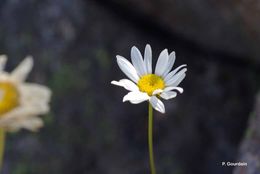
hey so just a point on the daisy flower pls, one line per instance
(21, 102)
(144, 85)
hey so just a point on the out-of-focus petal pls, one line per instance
(22, 70)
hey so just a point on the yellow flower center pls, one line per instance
(8, 97)
(149, 83)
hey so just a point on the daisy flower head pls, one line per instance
(21, 102)
(146, 85)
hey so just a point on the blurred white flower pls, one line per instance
(21, 102)
(146, 85)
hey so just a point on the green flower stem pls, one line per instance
(150, 139)
(2, 146)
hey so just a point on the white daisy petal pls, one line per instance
(157, 104)
(179, 80)
(168, 95)
(138, 61)
(148, 58)
(173, 88)
(127, 84)
(175, 77)
(171, 61)
(127, 68)
(172, 73)
(3, 59)
(162, 62)
(157, 91)
(21, 72)
(136, 97)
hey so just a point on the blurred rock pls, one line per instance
(250, 148)
(229, 26)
